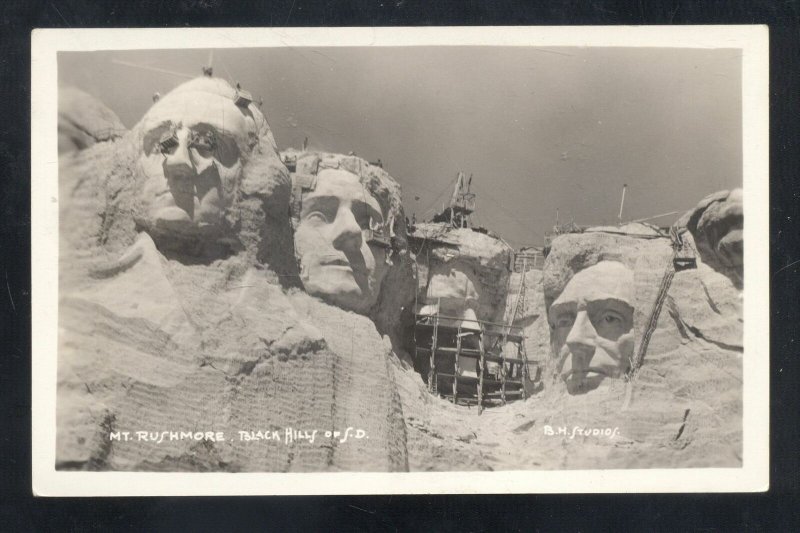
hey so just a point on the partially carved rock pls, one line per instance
(683, 407)
(716, 225)
(592, 324)
(194, 144)
(349, 226)
(181, 310)
(84, 121)
(178, 312)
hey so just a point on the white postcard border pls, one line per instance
(752, 476)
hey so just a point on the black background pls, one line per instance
(776, 510)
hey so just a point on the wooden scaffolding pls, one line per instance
(442, 339)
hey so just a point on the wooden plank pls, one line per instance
(499, 359)
(510, 337)
(510, 392)
(473, 379)
(471, 352)
(481, 363)
(431, 373)
(455, 368)
(460, 318)
(524, 376)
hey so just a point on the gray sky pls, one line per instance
(540, 129)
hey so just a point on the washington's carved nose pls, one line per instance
(582, 336)
(181, 175)
(179, 161)
(347, 232)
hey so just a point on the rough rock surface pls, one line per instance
(487, 256)
(154, 340)
(683, 409)
(83, 121)
(716, 226)
(397, 287)
(530, 315)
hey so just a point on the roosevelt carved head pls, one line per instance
(452, 291)
(591, 322)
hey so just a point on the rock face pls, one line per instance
(530, 314)
(486, 258)
(350, 232)
(716, 226)
(84, 121)
(684, 406)
(169, 328)
(682, 409)
(162, 333)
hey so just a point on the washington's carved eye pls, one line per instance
(204, 143)
(611, 318)
(168, 142)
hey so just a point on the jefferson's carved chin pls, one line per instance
(337, 281)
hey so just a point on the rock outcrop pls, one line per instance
(716, 225)
(195, 333)
(485, 256)
(684, 405)
(682, 409)
(186, 316)
(335, 199)
(83, 121)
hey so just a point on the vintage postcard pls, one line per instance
(400, 260)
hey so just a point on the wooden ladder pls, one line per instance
(521, 345)
(481, 363)
(433, 387)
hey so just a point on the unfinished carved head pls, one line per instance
(452, 289)
(194, 142)
(591, 325)
(341, 239)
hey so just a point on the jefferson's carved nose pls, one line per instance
(347, 232)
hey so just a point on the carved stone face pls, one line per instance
(336, 261)
(592, 325)
(452, 287)
(194, 141)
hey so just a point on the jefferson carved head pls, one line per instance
(591, 322)
(194, 142)
(343, 210)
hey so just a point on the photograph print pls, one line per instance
(400, 259)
